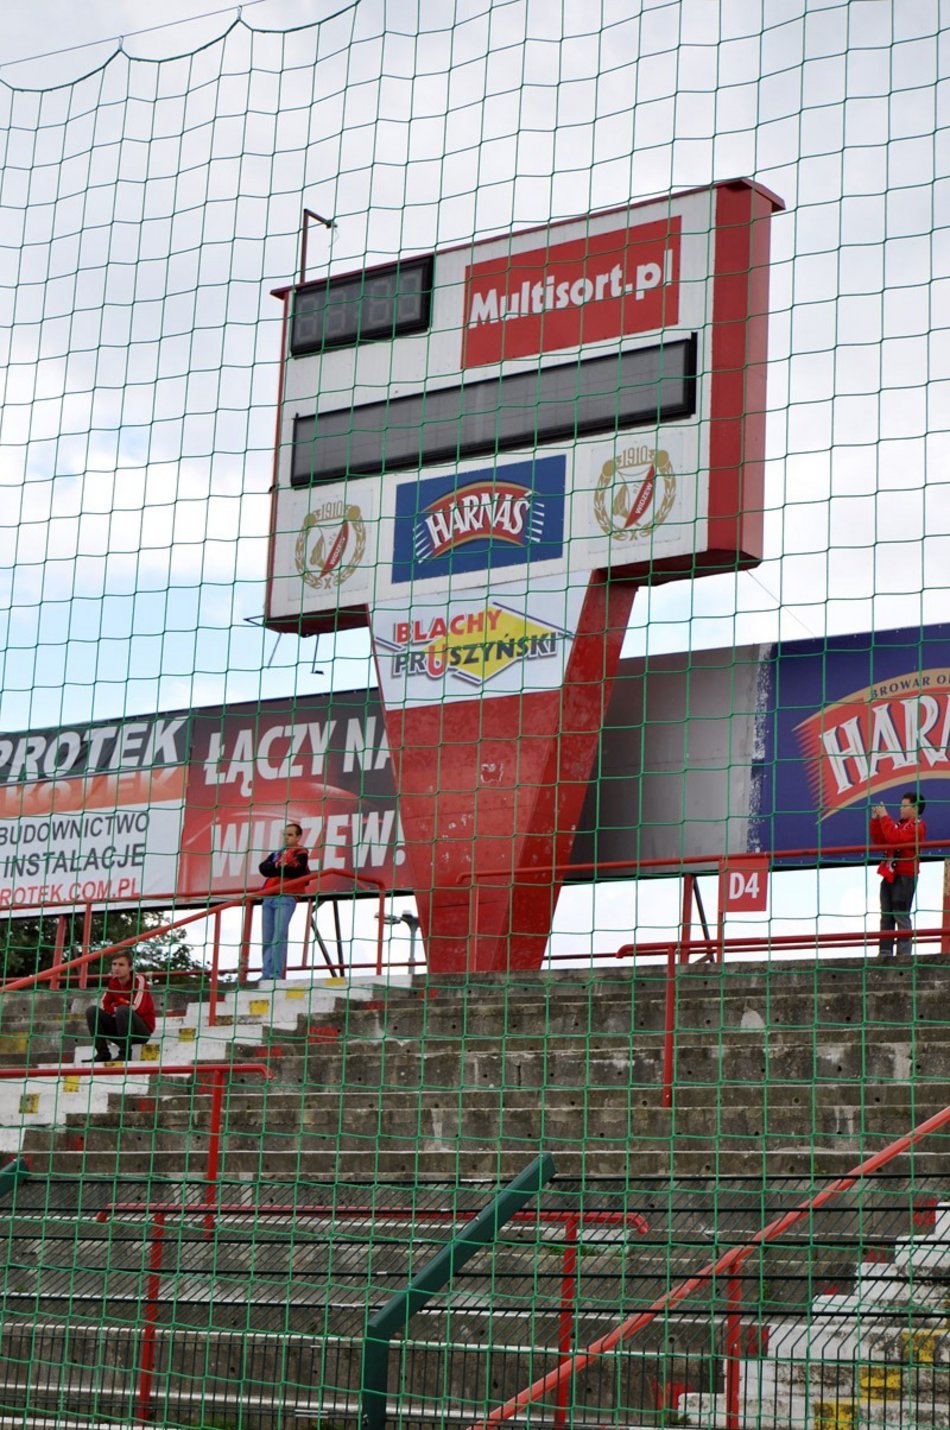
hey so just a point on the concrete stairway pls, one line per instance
(878, 1354)
(286, 1298)
(41, 1029)
(782, 1071)
(786, 1070)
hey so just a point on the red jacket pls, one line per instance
(282, 866)
(910, 833)
(137, 994)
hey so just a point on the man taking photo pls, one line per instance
(899, 868)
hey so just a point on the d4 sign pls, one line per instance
(744, 885)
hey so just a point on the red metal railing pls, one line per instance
(685, 866)
(150, 1330)
(727, 1264)
(309, 884)
(715, 950)
(219, 1073)
(828, 856)
(572, 1222)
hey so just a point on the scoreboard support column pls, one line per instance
(463, 438)
(516, 771)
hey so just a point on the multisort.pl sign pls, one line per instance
(563, 295)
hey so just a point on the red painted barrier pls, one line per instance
(309, 884)
(147, 1354)
(726, 1265)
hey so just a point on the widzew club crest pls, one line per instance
(331, 545)
(635, 493)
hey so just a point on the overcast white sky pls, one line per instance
(139, 337)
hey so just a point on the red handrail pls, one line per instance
(715, 861)
(220, 1072)
(573, 1365)
(414, 1214)
(246, 900)
(571, 1222)
(149, 1334)
(716, 949)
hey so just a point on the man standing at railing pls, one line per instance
(124, 1015)
(277, 907)
(899, 868)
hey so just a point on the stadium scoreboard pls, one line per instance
(586, 395)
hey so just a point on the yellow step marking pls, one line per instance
(921, 1346)
(833, 1415)
(881, 1382)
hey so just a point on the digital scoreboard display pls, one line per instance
(568, 400)
(378, 305)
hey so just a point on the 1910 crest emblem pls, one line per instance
(635, 493)
(331, 545)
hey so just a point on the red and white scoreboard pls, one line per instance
(472, 444)
(623, 353)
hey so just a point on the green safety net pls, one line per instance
(199, 1232)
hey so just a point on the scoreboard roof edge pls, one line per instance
(778, 205)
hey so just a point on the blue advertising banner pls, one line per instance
(846, 723)
(508, 515)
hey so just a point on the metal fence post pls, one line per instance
(398, 1311)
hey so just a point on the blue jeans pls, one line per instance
(896, 900)
(276, 913)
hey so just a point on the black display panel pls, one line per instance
(526, 409)
(382, 303)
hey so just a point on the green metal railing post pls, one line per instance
(397, 1312)
(13, 1173)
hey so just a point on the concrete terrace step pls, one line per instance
(278, 1100)
(648, 1135)
(291, 1379)
(416, 1160)
(307, 1120)
(822, 991)
(740, 1058)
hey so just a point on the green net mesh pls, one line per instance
(207, 1227)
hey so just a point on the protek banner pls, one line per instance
(91, 812)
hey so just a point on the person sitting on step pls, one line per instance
(124, 1015)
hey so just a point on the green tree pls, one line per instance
(27, 944)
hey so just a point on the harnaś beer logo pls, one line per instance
(505, 516)
(890, 734)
